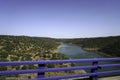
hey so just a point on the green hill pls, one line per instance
(14, 48)
(112, 49)
(21, 48)
(109, 45)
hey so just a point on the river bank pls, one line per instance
(57, 49)
(96, 51)
(77, 52)
(62, 73)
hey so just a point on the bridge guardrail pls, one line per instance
(41, 68)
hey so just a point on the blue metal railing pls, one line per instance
(41, 68)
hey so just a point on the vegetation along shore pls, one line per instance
(21, 48)
(107, 45)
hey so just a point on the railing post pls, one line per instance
(94, 70)
(40, 67)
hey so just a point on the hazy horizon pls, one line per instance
(60, 18)
(61, 38)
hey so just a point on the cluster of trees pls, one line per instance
(26, 47)
(108, 45)
(112, 49)
(20, 48)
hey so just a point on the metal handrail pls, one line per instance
(41, 68)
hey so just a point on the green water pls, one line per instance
(76, 52)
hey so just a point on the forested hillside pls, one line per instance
(112, 49)
(109, 45)
(14, 48)
(20, 48)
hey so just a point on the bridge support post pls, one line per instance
(94, 70)
(40, 67)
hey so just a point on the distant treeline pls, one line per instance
(109, 45)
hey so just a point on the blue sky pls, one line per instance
(60, 18)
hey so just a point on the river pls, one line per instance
(76, 52)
